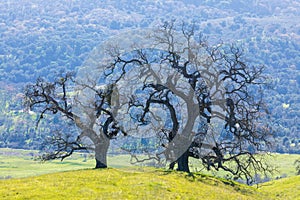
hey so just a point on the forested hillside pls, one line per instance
(42, 38)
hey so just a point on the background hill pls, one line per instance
(41, 38)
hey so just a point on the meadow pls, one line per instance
(25, 178)
(17, 163)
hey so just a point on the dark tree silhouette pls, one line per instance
(211, 97)
(58, 98)
(297, 164)
(199, 100)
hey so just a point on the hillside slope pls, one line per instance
(287, 188)
(146, 184)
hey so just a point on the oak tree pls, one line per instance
(94, 127)
(202, 101)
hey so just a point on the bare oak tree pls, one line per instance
(202, 101)
(57, 97)
(198, 100)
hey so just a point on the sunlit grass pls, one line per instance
(15, 163)
(23, 165)
(286, 188)
(20, 163)
(60, 181)
(283, 165)
(120, 184)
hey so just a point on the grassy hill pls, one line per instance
(286, 188)
(29, 179)
(143, 183)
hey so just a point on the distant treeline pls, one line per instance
(42, 38)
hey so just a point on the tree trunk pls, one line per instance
(183, 162)
(172, 165)
(101, 149)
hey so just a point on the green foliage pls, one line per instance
(41, 39)
(17, 125)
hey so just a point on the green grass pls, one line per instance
(74, 178)
(21, 163)
(283, 163)
(16, 163)
(120, 184)
(142, 183)
(286, 188)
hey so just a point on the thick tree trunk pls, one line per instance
(101, 149)
(183, 162)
